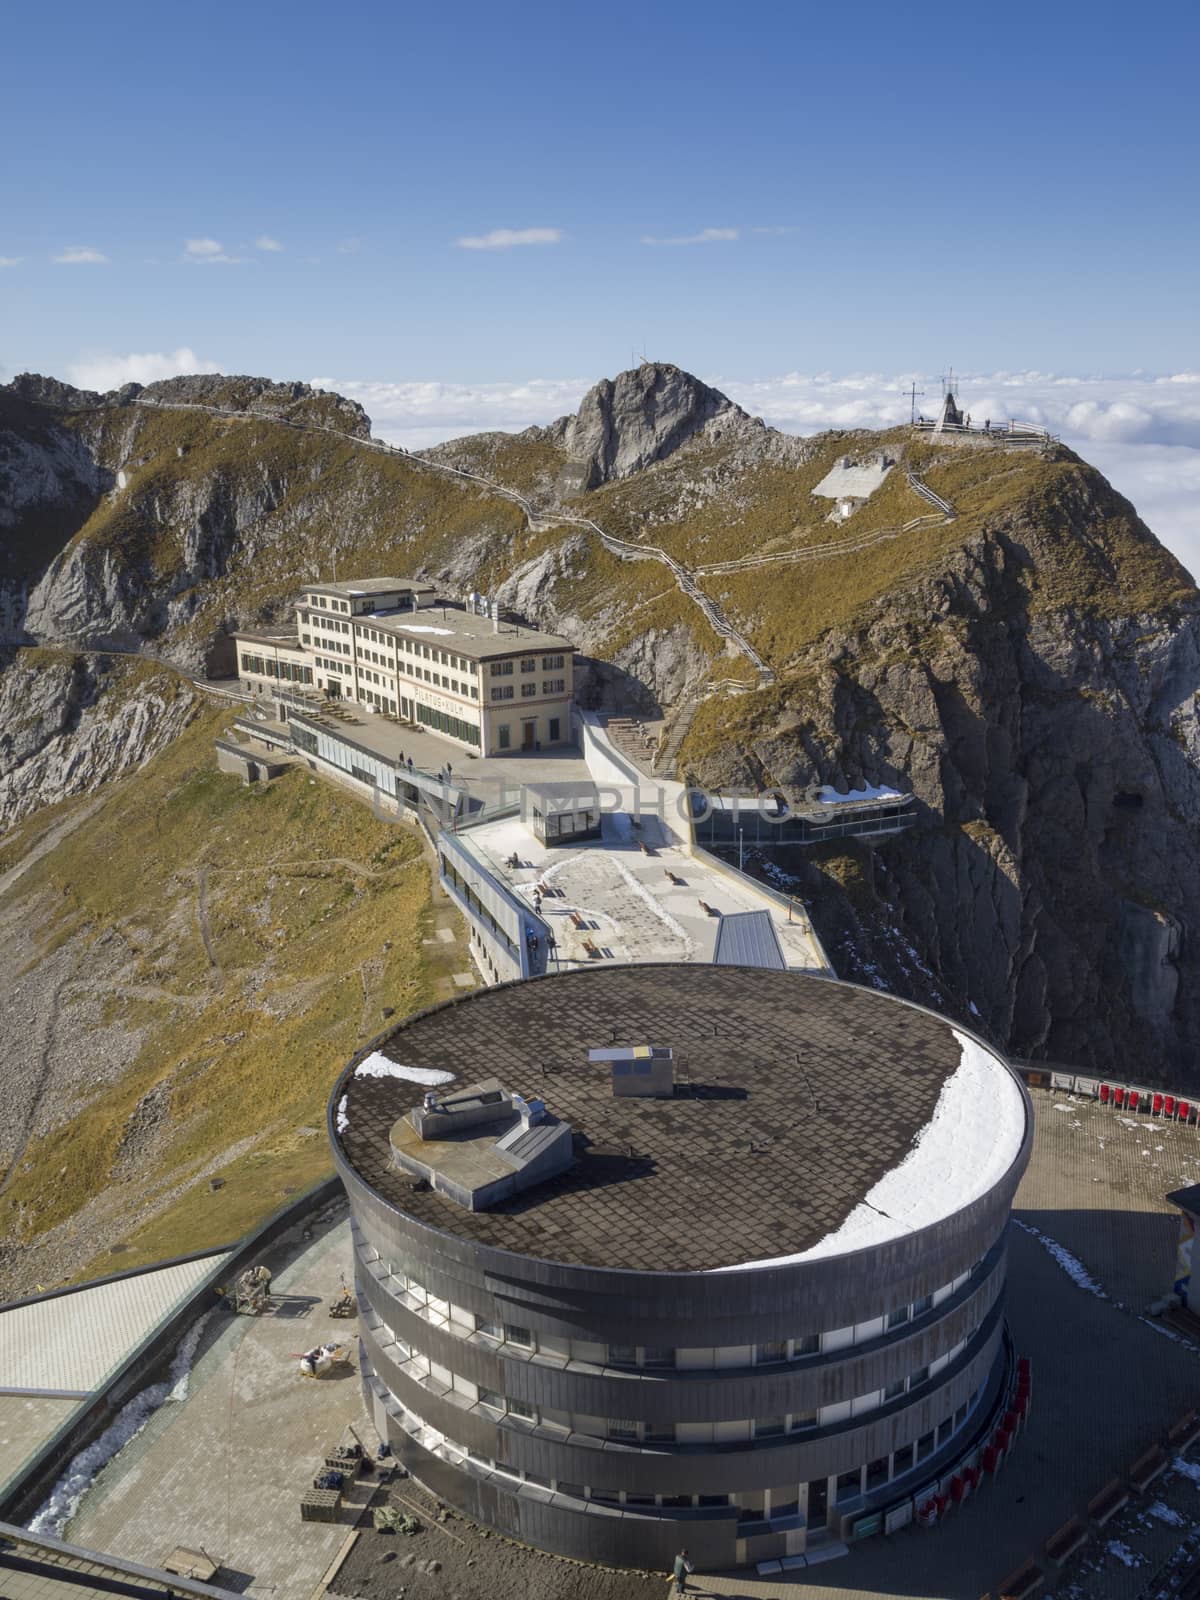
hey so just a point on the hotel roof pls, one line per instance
(450, 627)
(795, 1097)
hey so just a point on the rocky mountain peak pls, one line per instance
(642, 416)
(292, 401)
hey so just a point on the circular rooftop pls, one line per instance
(810, 1117)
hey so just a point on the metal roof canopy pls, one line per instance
(749, 939)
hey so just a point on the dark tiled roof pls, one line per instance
(794, 1095)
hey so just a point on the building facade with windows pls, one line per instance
(759, 1312)
(389, 644)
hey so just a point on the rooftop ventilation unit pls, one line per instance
(643, 1070)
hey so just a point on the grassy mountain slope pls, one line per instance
(225, 950)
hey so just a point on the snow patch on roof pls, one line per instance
(966, 1147)
(828, 796)
(425, 627)
(377, 1065)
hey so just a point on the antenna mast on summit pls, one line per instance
(950, 385)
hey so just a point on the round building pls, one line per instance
(661, 1255)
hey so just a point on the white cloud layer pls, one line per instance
(705, 236)
(104, 372)
(506, 238)
(265, 242)
(1142, 431)
(80, 255)
(11, 261)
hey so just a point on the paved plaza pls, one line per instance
(224, 1470)
(630, 904)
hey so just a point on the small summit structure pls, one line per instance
(850, 484)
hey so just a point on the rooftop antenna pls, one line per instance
(950, 385)
(914, 394)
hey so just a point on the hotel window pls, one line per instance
(489, 1397)
(769, 1428)
(504, 692)
(622, 1428)
(502, 669)
(518, 1335)
(808, 1344)
(660, 1433)
(898, 1317)
(554, 686)
(802, 1420)
(529, 664)
(492, 1329)
(622, 1355)
(552, 663)
(503, 736)
(521, 1408)
(764, 1354)
(849, 1484)
(921, 1306)
(658, 1356)
(528, 690)
(554, 730)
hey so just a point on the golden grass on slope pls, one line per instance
(303, 496)
(313, 912)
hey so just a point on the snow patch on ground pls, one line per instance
(377, 1065)
(1167, 1514)
(663, 915)
(966, 1147)
(1189, 1469)
(1124, 1554)
(1071, 1265)
(130, 1420)
(343, 1118)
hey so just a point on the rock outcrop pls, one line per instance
(1047, 889)
(642, 416)
(71, 722)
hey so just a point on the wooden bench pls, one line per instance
(1147, 1467)
(1069, 1538)
(195, 1564)
(1103, 1507)
(1024, 1581)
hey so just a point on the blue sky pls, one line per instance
(872, 189)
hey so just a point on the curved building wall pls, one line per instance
(577, 1408)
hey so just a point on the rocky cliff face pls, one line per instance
(642, 416)
(69, 723)
(1051, 882)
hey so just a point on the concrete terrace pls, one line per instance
(224, 1469)
(631, 904)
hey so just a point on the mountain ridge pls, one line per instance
(980, 659)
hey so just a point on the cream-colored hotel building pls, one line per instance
(390, 644)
